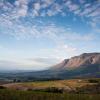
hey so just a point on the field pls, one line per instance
(73, 89)
(67, 85)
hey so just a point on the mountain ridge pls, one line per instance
(84, 59)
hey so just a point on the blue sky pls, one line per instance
(36, 34)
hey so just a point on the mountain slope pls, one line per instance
(84, 60)
(84, 65)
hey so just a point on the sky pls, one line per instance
(36, 34)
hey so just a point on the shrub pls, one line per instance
(93, 81)
(2, 87)
(54, 90)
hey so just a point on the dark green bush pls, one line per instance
(2, 87)
(93, 81)
(54, 90)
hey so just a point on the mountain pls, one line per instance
(83, 66)
(83, 60)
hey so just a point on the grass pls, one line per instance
(73, 83)
(88, 89)
(6, 94)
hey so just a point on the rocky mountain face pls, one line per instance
(83, 60)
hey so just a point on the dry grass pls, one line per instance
(73, 83)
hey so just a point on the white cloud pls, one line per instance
(23, 64)
(72, 6)
(82, 1)
(10, 20)
(61, 51)
(35, 13)
(77, 12)
(95, 13)
(17, 3)
(22, 12)
(66, 48)
(21, 2)
(46, 60)
(37, 6)
(79, 37)
(20, 8)
(50, 13)
(28, 64)
(50, 31)
(48, 2)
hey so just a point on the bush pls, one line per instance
(93, 81)
(2, 87)
(54, 90)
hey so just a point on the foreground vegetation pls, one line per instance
(60, 86)
(6, 94)
(73, 89)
